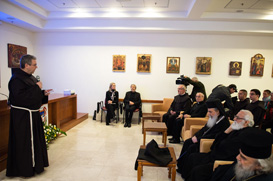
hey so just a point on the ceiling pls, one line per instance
(250, 17)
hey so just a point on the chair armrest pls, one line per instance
(157, 107)
(221, 162)
(205, 145)
(194, 129)
(194, 121)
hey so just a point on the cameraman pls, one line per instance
(197, 87)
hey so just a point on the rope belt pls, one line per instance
(31, 129)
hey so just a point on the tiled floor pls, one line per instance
(94, 151)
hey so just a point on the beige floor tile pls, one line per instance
(94, 151)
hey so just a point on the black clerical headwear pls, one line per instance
(256, 143)
(216, 103)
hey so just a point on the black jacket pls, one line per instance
(226, 146)
(221, 92)
(109, 97)
(258, 111)
(199, 109)
(181, 103)
(197, 87)
(134, 97)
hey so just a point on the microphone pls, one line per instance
(38, 78)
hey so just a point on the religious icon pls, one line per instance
(15, 52)
(119, 63)
(235, 68)
(144, 62)
(203, 65)
(173, 65)
(257, 65)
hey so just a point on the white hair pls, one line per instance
(266, 164)
(248, 116)
(195, 79)
(184, 87)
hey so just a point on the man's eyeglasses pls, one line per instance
(252, 94)
(237, 117)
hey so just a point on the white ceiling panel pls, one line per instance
(241, 4)
(156, 3)
(87, 3)
(76, 14)
(108, 3)
(133, 4)
(266, 5)
(63, 3)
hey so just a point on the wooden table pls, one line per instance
(62, 111)
(149, 116)
(155, 127)
(171, 165)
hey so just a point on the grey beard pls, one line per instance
(237, 126)
(243, 173)
(212, 120)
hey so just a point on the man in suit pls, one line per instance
(132, 102)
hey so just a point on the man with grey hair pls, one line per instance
(199, 166)
(197, 87)
(181, 102)
(254, 161)
(198, 109)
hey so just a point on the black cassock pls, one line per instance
(25, 93)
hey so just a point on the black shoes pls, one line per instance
(172, 138)
(174, 141)
(127, 125)
(107, 124)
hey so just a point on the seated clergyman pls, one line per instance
(199, 166)
(254, 162)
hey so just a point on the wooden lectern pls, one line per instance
(4, 133)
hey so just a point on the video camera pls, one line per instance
(182, 80)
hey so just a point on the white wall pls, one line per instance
(83, 61)
(14, 35)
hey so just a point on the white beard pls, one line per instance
(238, 126)
(212, 120)
(243, 173)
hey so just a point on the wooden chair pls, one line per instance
(191, 126)
(162, 108)
(205, 145)
(138, 110)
